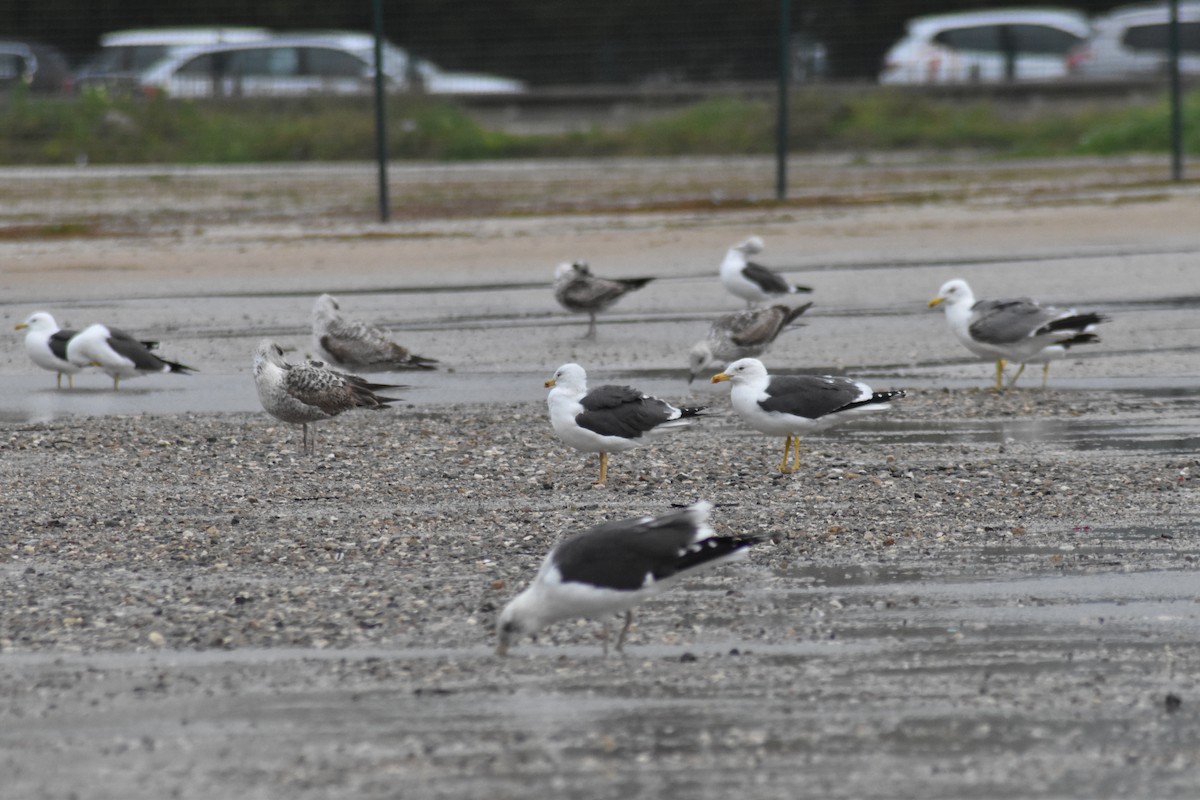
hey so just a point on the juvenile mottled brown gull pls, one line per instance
(740, 335)
(118, 354)
(614, 566)
(310, 392)
(579, 291)
(753, 282)
(46, 345)
(1016, 329)
(350, 343)
(608, 419)
(788, 405)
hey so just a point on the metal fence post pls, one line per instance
(1176, 98)
(381, 148)
(781, 124)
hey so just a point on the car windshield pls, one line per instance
(127, 58)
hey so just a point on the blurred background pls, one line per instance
(236, 83)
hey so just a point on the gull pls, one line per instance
(608, 419)
(787, 405)
(615, 566)
(46, 344)
(118, 354)
(1016, 329)
(350, 343)
(752, 282)
(739, 335)
(579, 291)
(310, 392)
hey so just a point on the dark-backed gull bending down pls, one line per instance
(613, 567)
(46, 344)
(1017, 330)
(608, 419)
(752, 282)
(310, 392)
(350, 343)
(740, 335)
(118, 354)
(788, 405)
(581, 292)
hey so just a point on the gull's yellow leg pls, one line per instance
(1000, 362)
(116, 382)
(1014, 377)
(796, 460)
(787, 449)
(1045, 373)
(603, 469)
(58, 383)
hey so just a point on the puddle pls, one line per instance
(1171, 436)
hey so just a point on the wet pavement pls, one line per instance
(1005, 665)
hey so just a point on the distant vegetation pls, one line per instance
(104, 130)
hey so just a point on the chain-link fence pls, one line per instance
(130, 83)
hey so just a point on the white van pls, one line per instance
(986, 46)
(1133, 42)
(125, 55)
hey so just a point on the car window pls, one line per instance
(976, 37)
(1042, 39)
(12, 66)
(142, 57)
(275, 62)
(200, 66)
(328, 63)
(1155, 37)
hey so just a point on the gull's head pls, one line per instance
(325, 307)
(751, 246)
(699, 359)
(742, 371)
(568, 376)
(267, 352)
(38, 322)
(513, 623)
(569, 269)
(953, 293)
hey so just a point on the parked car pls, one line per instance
(39, 67)
(1020, 44)
(298, 65)
(125, 55)
(1133, 41)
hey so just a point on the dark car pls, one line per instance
(39, 67)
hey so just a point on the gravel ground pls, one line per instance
(194, 608)
(976, 595)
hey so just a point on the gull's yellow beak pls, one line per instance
(720, 376)
(936, 301)
(550, 384)
(20, 326)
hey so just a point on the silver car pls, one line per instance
(993, 46)
(293, 66)
(1133, 41)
